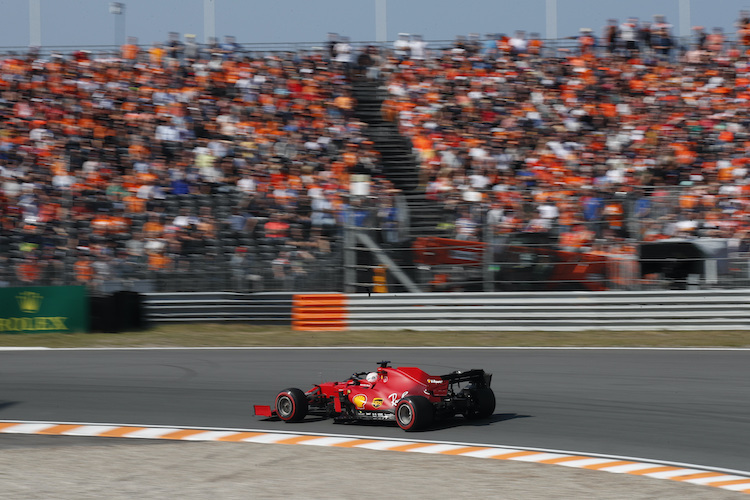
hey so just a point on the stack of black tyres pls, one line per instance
(118, 312)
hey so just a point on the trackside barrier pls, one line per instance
(213, 307)
(507, 311)
(558, 311)
(319, 312)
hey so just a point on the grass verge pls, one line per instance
(231, 335)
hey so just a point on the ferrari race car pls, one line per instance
(406, 395)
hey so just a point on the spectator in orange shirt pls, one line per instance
(83, 270)
(29, 272)
(158, 261)
(153, 227)
(130, 50)
(577, 239)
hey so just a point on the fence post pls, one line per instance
(379, 279)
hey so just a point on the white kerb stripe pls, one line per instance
(715, 479)
(151, 432)
(208, 436)
(737, 487)
(27, 428)
(90, 430)
(327, 441)
(488, 452)
(624, 469)
(270, 438)
(538, 457)
(383, 445)
(668, 474)
(436, 448)
(584, 462)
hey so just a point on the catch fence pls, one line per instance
(559, 47)
(657, 245)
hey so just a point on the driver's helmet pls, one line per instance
(372, 377)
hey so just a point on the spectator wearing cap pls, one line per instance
(628, 34)
(185, 219)
(401, 47)
(519, 45)
(611, 36)
(586, 42)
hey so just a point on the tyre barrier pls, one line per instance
(117, 312)
(319, 312)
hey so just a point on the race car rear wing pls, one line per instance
(479, 377)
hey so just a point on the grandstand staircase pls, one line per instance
(399, 163)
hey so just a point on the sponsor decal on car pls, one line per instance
(375, 415)
(377, 402)
(359, 400)
(395, 397)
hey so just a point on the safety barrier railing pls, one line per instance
(561, 311)
(711, 310)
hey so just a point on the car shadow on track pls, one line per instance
(463, 422)
(7, 404)
(449, 423)
(437, 426)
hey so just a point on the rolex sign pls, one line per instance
(44, 309)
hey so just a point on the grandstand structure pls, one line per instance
(461, 166)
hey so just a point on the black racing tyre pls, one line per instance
(291, 405)
(483, 403)
(414, 413)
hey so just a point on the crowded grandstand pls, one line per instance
(486, 162)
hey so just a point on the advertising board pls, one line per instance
(44, 309)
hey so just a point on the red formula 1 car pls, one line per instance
(407, 395)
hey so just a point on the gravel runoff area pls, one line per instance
(60, 467)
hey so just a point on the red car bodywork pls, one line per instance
(383, 394)
(377, 395)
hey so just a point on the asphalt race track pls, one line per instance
(687, 406)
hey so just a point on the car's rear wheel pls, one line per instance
(291, 405)
(414, 413)
(483, 403)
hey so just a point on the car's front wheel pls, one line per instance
(291, 405)
(414, 413)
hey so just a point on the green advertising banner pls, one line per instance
(44, 309)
